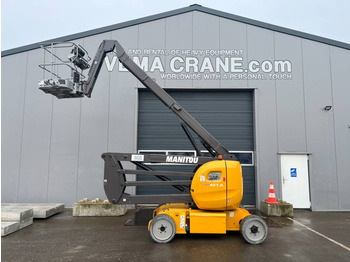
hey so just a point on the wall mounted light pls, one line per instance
(327, 108)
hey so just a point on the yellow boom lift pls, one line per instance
(209, 198)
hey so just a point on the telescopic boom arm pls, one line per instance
(214, 147)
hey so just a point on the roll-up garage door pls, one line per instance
(226, 114)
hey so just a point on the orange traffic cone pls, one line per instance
(272, 195)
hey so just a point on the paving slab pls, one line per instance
(9, 227)
(26, 222)
(16, 213)
(41, 210)
(14, 218)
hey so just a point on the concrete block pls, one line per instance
(98, 207)
(15, 213)
(14, 218)
(8, 227)
(282, 209)
(26, 222)
(40, 210)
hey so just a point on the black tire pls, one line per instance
(254, 229)
(162, 229)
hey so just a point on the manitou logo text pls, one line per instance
(182, 159)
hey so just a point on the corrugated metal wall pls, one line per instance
(51, 149)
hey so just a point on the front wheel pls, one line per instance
(162, 228)
(254, 229)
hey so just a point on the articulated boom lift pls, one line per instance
(209, 198)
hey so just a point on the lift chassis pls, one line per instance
(209, 197)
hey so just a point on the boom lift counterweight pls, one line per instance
(209, 198)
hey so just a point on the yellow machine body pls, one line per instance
(218, 185)
(217, 190)
(202, 221)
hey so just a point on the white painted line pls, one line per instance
(318, 233)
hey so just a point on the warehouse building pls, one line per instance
(276, 98)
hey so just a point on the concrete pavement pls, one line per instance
(67, 238)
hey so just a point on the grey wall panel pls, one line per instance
(13, 72)
(64, 144)
(152, 36)
(35, 155)
(320, 130)
(122, 116)
(340, 63)
(64, 151)
(123, 99)
(93, 131)
(290, 96)
(178, 37)
(261, 48)
(233, 36)
(206, 35)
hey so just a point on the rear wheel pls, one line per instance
(162, 228)
(254, 229)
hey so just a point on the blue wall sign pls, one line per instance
(293, 172)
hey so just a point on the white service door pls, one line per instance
(295, 180)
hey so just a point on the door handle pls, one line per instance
(284, 179)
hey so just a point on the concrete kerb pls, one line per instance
(283, 209)
(97, 207)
